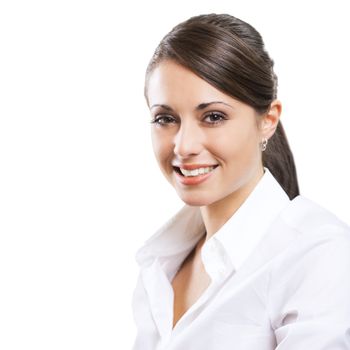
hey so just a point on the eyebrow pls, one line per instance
(198, 108)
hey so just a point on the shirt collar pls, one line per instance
(178, 234)
(242, 232)
(238, 236)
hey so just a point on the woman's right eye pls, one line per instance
(163, 120)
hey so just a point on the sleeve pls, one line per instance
(311, 306)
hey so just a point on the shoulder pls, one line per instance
(308, 219)
(321, 244)
(321, 241)
(316, 263)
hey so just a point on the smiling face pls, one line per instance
(207, 143)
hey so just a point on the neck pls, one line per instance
(216, 214)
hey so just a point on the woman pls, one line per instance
(247, 263)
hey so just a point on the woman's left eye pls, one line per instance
(214, 118)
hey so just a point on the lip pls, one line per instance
(193, 180)
(193, 166)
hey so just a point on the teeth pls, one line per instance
(196, 172)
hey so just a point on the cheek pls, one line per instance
(161, 145)
(238, 143)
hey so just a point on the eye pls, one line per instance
(214, 118)
(163, 120)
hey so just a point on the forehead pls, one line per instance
(172, 83)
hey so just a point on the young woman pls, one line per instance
(247, 263)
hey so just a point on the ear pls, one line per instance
(270, 119)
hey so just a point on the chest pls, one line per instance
(188, 285)
(234, 311)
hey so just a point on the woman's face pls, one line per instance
(207, 143)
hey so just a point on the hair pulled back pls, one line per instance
(229, 54)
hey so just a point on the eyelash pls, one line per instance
(222, 117)
(160, 117)
(157, 119)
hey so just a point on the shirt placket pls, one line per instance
(160, 298)
(219, 268)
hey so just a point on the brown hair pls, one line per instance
(230, 55)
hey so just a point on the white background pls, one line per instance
(79, 188)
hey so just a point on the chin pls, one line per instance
(195, 200)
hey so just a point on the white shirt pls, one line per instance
(280, 279)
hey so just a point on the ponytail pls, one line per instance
(278, 158)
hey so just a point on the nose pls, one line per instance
(188, 140)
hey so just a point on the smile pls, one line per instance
(193, 176)
(196, 172)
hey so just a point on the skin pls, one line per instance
(190, 136)
(226, 133)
